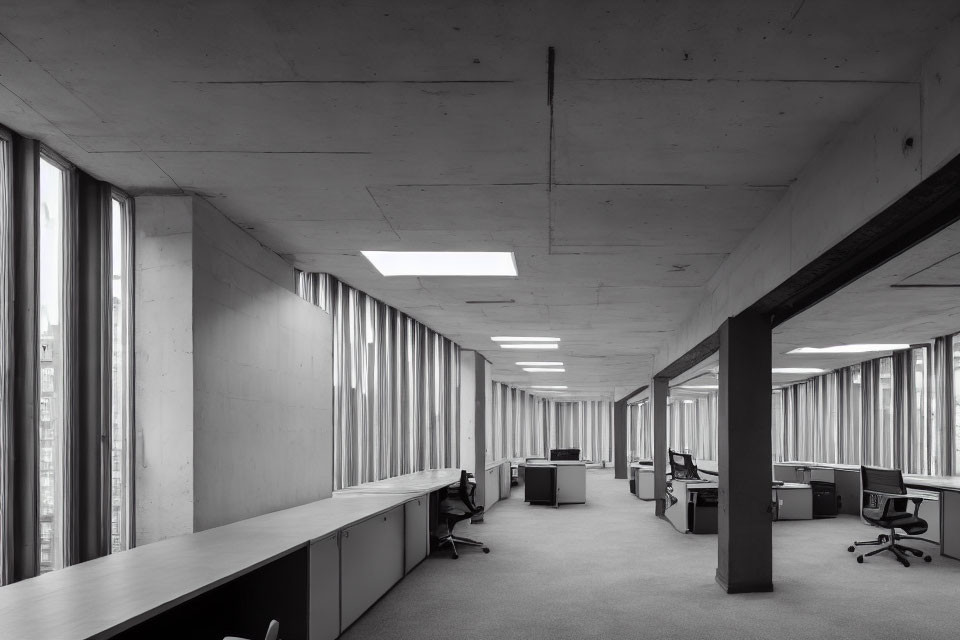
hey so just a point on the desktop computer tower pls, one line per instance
(824, 499)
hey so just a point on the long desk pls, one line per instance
(947, 488)
(294, 565)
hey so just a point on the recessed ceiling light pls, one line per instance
(547, 386)
(544, 369)
(535, 345)
(850, 348)
(540, 364)
(443, 263)
(798, 370)
(700, 386)
(522, 339)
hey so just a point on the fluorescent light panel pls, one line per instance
(540, 364)
(543, 369)
(535, 345)
(850, 348)
(547, 386)
(522, 339)
(798, 370)
(443, 263)
(700, 386)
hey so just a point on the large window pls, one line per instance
(121, 392)
(53, 199)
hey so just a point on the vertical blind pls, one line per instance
(518, 423)
(586, 425)
(691, 426)
(524, 425)
(396, 387)
(881, 412)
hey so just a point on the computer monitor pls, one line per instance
(564, 454)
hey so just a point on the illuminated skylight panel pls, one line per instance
(443, 263)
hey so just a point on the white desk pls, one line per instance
(642, 475)
(104, 597)
(571, 479)
(681, 513)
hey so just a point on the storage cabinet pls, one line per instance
(325, 588)
(371, 561)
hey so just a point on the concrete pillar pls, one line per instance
(474, 398)
(620, 439)
(658, 398)
(745, 553)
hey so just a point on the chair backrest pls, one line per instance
(884, 480)
(682, 466)
(273, 631)
(464, 493)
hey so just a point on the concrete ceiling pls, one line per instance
(911, 299)
(327, 128)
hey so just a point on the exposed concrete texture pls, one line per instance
(263, 433)
(164, 368)
(865, 167)
(234, 401)
(674, 130)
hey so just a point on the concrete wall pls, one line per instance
(234, 388)
(263, 391)
(863, 169)
(164, 368)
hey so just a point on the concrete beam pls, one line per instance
(903, 139)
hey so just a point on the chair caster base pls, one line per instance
(851, 548)
(927, 558)
(487, 550)
(860, 559)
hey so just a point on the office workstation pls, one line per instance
(339, 320)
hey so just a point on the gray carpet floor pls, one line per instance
(611, 569)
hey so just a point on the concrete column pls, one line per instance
(745, 553)
(620, 439)
(474, 398)
(658, 398)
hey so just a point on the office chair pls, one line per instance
(273, 630)
(682, 467)
(452, 513)
(884, 504)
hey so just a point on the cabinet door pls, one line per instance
(950, 523)
(325, 588)
(371, 561)
(415, 514)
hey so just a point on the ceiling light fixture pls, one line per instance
(540, 364)
(522, 339)
(547, 386)
(850, 348)
(798, 370)
(700, 386)
(443, 263)
(544, 369)
(535, 345)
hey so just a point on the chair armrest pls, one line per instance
(885, 498)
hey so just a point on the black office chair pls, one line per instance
(682, 467)
(456, 508)
(884, 504)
